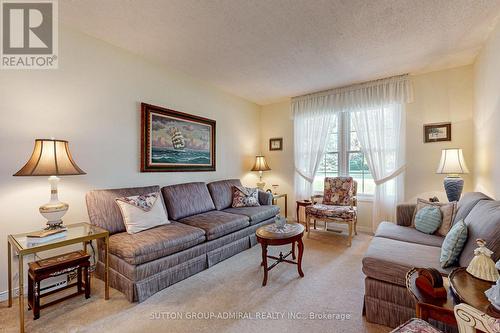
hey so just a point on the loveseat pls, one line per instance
(204, 230)
(396, 248)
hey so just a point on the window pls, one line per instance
(343, 156)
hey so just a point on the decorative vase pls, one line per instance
(280, 222)
(482, 266)
(453, 187)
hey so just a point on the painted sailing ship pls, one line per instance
(178, 139)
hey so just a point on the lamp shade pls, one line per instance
(50, 158)
(452, 162)
(260, 164)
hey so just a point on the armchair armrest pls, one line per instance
(265, 198)
(404, 214)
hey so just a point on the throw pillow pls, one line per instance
(453, 244)
(448, 212)
(428, 219)
(142, 212)
(245, 197)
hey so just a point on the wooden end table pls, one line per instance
(269, 235)
(82, 233)
(303, 203)
(461, 287)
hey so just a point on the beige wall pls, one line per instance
(487, 117)
(439, 97)
(93, 101)
(443, 96)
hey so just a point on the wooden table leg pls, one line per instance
(293, 250)
(286, 206)
(21, 294)
(86, 271)
(9, 272)
(36, 299)
(301, 252)
(106, 269)
(298, 211)
(264, 263)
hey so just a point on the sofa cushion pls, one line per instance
(187, 199)
(453, 244)
(320, 210)
(103, 210)
(154, 243)
(428, 219)
(389, 260)
(142, 212)
(448, 211)
(407, 234)
(255, 214)
(467, 202)
(216, 223)
(245, 197)
(222, 192)
(482, 222)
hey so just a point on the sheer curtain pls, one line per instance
(378, 112)
(381, 134)
(312, 120)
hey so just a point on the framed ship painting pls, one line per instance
(176, 141)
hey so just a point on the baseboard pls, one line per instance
(4, 295)
(46, 286)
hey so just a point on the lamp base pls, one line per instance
(453, 187)
(261, 185)
(54, 210)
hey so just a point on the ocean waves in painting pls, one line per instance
(186, 156)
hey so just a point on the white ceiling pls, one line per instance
(267, 50)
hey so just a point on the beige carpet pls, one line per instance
(332, 290)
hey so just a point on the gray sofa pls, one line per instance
(204, 230)
(396, 248)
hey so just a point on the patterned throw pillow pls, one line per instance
(428, 219)
(142, 212)
(245, 197)
(448, 211)
(453, 244)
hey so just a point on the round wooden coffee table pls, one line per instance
(270, 235)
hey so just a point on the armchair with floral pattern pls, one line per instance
(338, 205)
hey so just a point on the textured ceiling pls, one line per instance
(267, 50)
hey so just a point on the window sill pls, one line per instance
(365, 198)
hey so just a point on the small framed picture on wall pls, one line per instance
(437, 132)
(276, 144)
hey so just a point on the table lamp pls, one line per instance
(453, 164)
(51, 158)
(260, 166)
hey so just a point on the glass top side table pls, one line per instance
(75, 233)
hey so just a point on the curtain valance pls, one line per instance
(364, 96)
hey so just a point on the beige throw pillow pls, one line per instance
(142, 212)
(448, 211)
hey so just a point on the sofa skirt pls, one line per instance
(392, 305)
(138, 282)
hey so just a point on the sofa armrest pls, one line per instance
(265, 198)
(404, 214)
